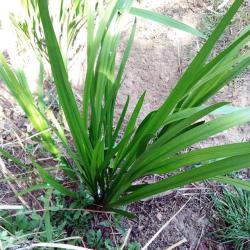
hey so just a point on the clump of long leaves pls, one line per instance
(108, 166)
(233, 211)
(67, 22)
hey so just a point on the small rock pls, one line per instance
(159, 216)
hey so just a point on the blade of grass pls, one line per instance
(190, 176)
(124, 180)
(165, 20)
(245, 185)
(64, 89)
(184, 84)
(53, 182)
(47, 222)
(170, 164)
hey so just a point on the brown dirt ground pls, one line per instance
(158, 58)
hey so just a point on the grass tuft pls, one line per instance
(233, 213)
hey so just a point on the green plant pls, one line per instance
(233, 212)
(134, 246)
(58, 221)
(94, 239)
(61, 220)
(14, 231)
(23, 227)
(68, 23)
(109, 166)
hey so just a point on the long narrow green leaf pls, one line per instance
(90, 5)
(174, 130)
(181, 126)
(226, 55)
(18, 86)
(229, 51)
(227, 110)
(12, 158)
(132, 121)
(40, 88)
(168, 21)
(216, 81)
(53, 182)
(245, 185)
(34, 188)
(64, 90)
(192, 114)
(184, 84)
(111, 98)
(125, 56)
(129, 129)
(169, 164)
(199, 133)
(177, 144)
(120, 121)
(190, 176)
(47, 222)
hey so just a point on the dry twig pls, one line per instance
(164, 226)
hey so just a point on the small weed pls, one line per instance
(94, 239)
(233, 211)
(67, 220)
(134, 246)
(16, 230)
